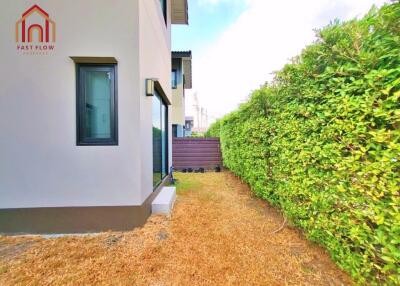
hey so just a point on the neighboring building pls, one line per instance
(189, 123)
(202, 122)
(198, 112)
(181, 79)
(84, 112)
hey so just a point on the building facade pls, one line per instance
(181, 80)
(198, 113)
(189, 123)
(85, 142)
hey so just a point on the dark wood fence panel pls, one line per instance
(196, 153)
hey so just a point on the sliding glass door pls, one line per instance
(164, 141)
(160, 140)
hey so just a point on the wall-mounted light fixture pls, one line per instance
(150, 82)
(153, 86)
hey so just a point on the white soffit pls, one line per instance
(179, 12)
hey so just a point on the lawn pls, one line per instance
(218, 234)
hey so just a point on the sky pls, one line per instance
(238, 44)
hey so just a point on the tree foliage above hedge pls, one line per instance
(322, 142)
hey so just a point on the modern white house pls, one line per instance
(85, 112)
(181, 80)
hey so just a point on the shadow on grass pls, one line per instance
(186, 183)
(197, 185)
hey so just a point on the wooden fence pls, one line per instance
(196, 153)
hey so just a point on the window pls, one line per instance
(188, 124)
(163, 4)
(174, 79)
(174, 130)
(96, 105)
(160, 140)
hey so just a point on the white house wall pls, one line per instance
(40, 164)
(155, 62)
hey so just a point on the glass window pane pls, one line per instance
(157, 138)
(97, 112)
(163, 4)
(98, 97)
(160, 140)
(175, 130)
(174, 79)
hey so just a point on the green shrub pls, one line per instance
(322, 142)
(197, 135)
(214, 130)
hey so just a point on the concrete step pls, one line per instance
(164, 202)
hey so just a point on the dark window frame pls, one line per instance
(166, 123)
(175, 80)
(164, 9)
(81, 68)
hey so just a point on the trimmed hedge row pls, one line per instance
(322, 142)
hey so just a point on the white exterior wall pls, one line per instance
(40, 164)
(155, 62)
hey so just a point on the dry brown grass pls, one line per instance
(218, 235)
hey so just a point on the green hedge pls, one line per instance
(213, 131)
(322, 142)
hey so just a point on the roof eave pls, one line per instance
(181, 54)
